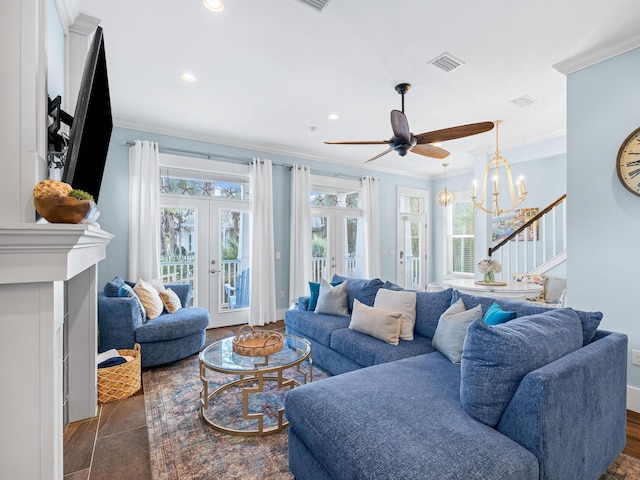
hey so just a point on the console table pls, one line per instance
(513, 291)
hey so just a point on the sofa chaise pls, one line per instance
(541, 396)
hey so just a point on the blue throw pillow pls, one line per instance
(127, 291)
(361, 289)
(496, 315)
(111, 288)
(496, 358)
(314, 291)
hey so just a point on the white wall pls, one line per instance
(603, 264)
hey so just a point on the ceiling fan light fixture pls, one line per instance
(213, 5)
(333, 116)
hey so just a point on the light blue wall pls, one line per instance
(55, 53)
(114, 201)
(604, 218)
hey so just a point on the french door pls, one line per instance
(411, 258)
(204, 241)
(336, 243)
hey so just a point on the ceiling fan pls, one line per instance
(404, 141)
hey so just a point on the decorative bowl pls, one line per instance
(62, 209)
(253, 343)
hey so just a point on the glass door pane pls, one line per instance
(319, 247)
(353, 247)
(178, 246)
(234, 254)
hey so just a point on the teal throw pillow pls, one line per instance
(127, 291)
(314, 291)
(496, 315)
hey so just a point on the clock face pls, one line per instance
(628, 164)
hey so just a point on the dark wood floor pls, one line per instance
(115, 444)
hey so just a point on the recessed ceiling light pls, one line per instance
(188, 77)
(333, 116)
(213, 5)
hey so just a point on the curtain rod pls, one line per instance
(213, 156)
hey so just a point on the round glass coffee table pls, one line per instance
(220, 403)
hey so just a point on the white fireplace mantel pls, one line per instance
(49, 278)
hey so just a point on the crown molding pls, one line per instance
(598, 54)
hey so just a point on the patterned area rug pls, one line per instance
(184, 447)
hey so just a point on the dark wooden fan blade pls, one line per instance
(373, 142)
(454, 132)
(400, 125)
(379, 155)
(430, 151)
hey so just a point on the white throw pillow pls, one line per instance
(399, 301)
(376, 322)
(150, 298)
(332, 300)
(452, 329)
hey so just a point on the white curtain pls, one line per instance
(144, 212)
(371, 227)
(300, 226)
(262, 279)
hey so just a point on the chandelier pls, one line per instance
(517, 195)
(445, 196)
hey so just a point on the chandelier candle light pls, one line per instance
(495, 162)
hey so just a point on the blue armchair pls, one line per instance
(164, 339)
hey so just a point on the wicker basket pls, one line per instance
(120, 381)
(256, 343)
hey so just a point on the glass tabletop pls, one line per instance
(219, 356)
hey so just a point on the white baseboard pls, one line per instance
(633, 399)
(280, 313)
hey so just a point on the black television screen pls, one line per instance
(92, 124)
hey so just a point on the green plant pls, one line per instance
(318, 246)
(80, 195)
(230, 250)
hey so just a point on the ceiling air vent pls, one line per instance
(523, 101)
(446, 62)
(317, 4)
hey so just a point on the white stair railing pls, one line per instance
(537, 246)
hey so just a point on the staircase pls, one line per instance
(537, 246)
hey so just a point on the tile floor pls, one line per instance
(115, 444)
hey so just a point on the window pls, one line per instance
(461, 237)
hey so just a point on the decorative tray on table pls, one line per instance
(256, 343)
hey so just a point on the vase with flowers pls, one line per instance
(489, 268)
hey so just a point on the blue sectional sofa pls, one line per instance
(542, 396)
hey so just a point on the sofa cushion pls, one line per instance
(429, 307)
(150, 298)
(172, 326)
(366, 350)
(495, 315)
(496, 358)
(590, 320)
(361, 289)
(126, 290)
(399, 301)
(332, 300)
(376, 322)
(314, 291)
(315, 326)
(452, 329)
(111, 288)
(401, 420)
(170, 300)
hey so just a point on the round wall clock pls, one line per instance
(628, 163)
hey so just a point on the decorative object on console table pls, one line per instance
(489, 268)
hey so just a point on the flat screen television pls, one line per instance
(92, 124)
